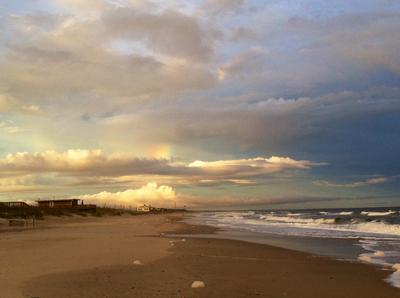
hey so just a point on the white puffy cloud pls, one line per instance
(368, 182)
(151, 193)
(94, 168)
(97, 163)
(51, 161)
(250, 167)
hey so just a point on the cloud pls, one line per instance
(18, 184)
(368, 182)
(243, 64)
(242, 34)
(31, 109)
(166, 196)
(250, 167)
(83, 162)
(11, 104)
(120, 53)
(308, 55)
(270, 123)
(187, 38)
(372, 41)
(222, 6)
(85, 4)
(9, 127)
(7, 102)
(29, 184)
(117, 169)
(151, 193)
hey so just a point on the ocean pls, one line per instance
(370, 235)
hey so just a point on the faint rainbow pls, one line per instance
(162, 151)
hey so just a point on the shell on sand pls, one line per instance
(198, 284)
(137, 262)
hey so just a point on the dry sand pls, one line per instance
(95, 259)
(63, 245)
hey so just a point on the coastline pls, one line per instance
(95, 259)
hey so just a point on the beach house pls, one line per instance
(67, 203)
(143, 208)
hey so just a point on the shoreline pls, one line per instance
(102, 266)
(201, 231)
(370, 237)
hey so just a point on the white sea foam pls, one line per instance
(294, 214)
(302, 226)
(373, 227)
(396, 267)
(384, 213)
(378, 228)
(297, 220)
(346, 213)
(371, 258)
(394, 279)
(336, 213)
(365, 258)
(379, 253)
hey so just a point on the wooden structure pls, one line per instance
(17, 204)
(67, 203)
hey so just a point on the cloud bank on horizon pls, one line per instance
(207, 103)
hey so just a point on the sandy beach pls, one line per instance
(94, 257)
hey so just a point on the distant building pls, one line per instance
(68, 203)
(65, 204)
(143, 208)
(15, 205)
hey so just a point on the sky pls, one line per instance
(204, 104)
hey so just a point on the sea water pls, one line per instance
(369, 235)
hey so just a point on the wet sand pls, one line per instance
(95, 259)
